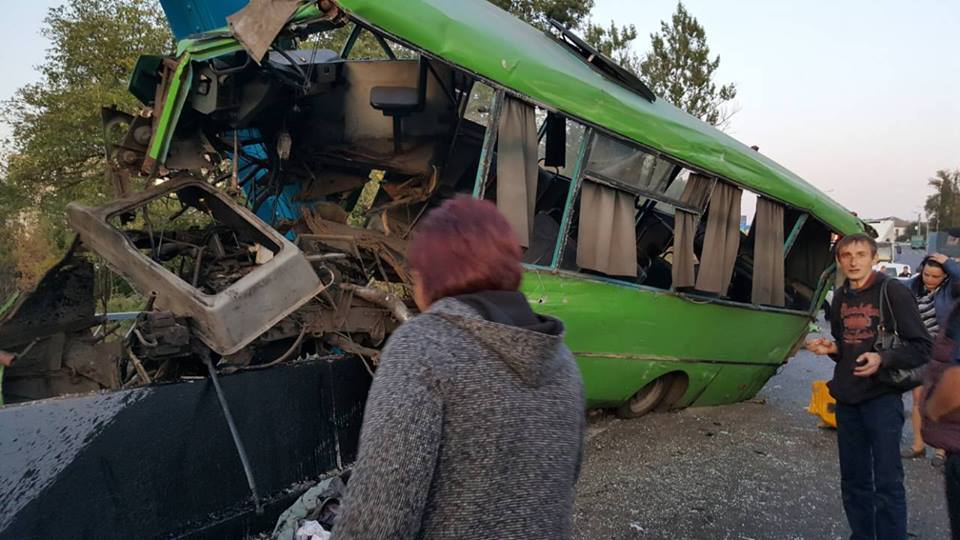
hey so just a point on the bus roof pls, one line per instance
(480, 37)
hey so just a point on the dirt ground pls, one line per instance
(760, 469)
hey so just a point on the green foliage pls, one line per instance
(365, 48)
(537, 12)
(8, 261)
(615, 43)
(55, 154)
(679, 69)
(943, 206)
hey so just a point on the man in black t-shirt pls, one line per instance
(870, 413)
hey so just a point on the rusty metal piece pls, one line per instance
(235, 316)
(138, 365)
(161, 335)
(350, 318)
(258, 24)
(352, 240)
(328, 183)
(397, 308)
(290, 353)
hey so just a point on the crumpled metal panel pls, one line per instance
(257, 25)
(229, 320)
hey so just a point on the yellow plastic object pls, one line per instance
(823, 405)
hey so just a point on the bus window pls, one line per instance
(534, 195)
(653, 230)
(808, 254)
(566, 141)
(628, 167)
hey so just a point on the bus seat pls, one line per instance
(399, 102)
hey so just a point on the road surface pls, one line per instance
(752, 470)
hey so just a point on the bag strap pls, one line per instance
(884, 304)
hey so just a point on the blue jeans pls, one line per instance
(871, 473)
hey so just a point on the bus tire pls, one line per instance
(645, 400)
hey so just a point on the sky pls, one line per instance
(861, 97)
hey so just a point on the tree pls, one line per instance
(912, 230)
(55, 153)
(943, 206)
(569, 13)
(679, 69)
(615, 43)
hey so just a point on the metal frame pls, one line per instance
(640, 192)
(794, 234)
(489, 141)
(582, 156)
(351, 41)
(229, 320)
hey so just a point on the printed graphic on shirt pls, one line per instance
(859, 323)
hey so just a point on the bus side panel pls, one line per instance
(611, 381)
(606, 322)
(735, 383)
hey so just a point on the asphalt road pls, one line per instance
(753, 470)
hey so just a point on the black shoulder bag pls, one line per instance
(901, 379)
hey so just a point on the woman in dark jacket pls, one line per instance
(475, 420)
(940, 404)
(935, 288)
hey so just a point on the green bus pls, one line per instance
(629, 209)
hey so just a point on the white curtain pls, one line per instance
(721, 241)
(607, 234)
(517, 167)
(695, 194)
(768, 258)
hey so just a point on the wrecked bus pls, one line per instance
(265, 195)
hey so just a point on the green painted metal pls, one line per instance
(794, 234)
(583, 154)
(9, 303)
(172, 106)
(623, 336)
(483, 39)
(489, 141)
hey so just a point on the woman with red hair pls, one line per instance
(475, 420)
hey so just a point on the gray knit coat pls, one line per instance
(472, 429)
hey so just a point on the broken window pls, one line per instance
(624, 165)
(530, 193)
(808, 254)
(560, 142)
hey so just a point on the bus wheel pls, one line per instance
(645, 400)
